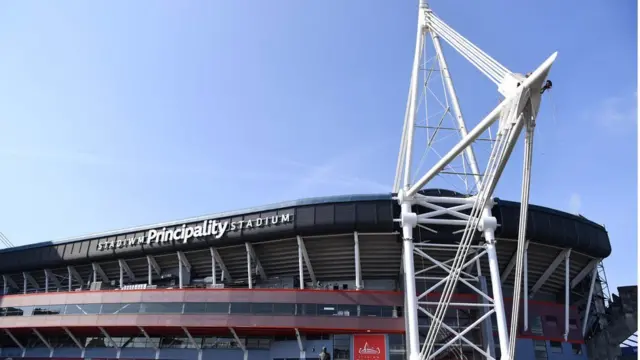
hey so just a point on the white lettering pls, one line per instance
(215, 228)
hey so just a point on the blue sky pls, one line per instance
(119, 113)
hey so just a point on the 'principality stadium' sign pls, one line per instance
(214, 228)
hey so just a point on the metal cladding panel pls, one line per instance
(323, 218)
(378, 298)
(555, 228)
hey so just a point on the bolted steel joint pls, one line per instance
(487, 223)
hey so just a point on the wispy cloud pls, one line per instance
(575, 203)
(336, 174)
(617, 113)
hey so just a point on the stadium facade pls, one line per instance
(285, 282)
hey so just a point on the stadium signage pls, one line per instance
(184, 233)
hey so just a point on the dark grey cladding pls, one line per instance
(319, 216)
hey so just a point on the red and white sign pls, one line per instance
(369, 347)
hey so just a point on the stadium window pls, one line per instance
(19, 311)
(49, 310)
(83, 309)
(240, 308)
(261, 308)
(576, 349)
(218, 308)
(536, 325)
(308, 309)
(370, 310)
(326, 309)
(556, 347)
(258, 343)
(347, 310)
(573, 324)
(117, 309)
(318, 336)
(387, 311)
(341, 347)
(95, 342)
(551, 320)
(284, 309)
(161, 308)
(540, 350)
(195, 308)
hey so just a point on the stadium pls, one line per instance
(288, 281)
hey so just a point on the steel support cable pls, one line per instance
(501, 151)
(468, 49)
(484, 68)
(463, 45)
(491, 61)
(524, 205)
(497, 156)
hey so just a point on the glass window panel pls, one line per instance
(540, 345)
(48, 310)
(96, 342)
(370, 310)
(161, 308)
(573, 324)
(195, 308)
(218, 308)
(240, 308)
(83, 309)
(556, 347)
(326, 309)
(284, 309)
(387, 311)
(347, 310)
(117, 309)
(19, 311)
(308, 309)
(262, 308)
(576, 349)
(536, 326)
(551, 320)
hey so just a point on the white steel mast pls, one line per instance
(471, 214)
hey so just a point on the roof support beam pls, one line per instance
(97, 271)
(303, 354)
(307, 261)
(13, 338)
(50, 276)
(512, 263)
(218, 259)
(356, 252)
(545, 276)
(7, 282)
(184, 261)
(253, 255)
(31, 280)
(193, 342)
(240, 343)
(584, 272)
(44, 341)
(108, 337)
(151, 261)
(125, 267)
(567, 291)
(73, 275)
(75, 340)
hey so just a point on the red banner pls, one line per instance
(369, 347)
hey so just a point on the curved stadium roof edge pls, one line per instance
(507, 217)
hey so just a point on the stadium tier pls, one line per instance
(285, 282)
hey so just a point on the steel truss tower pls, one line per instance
(469, 216)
